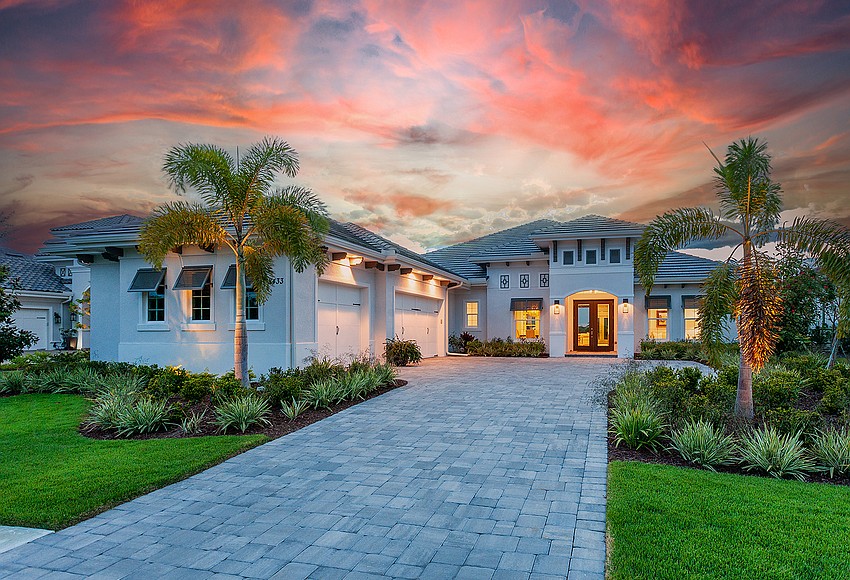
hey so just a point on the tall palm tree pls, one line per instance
(750, 205)
(240, 211)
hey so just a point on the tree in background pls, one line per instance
(810, 300)
(241, 212)
(750, 205)
(13, 341)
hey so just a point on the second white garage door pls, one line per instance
(35, 320)
(341, 320)
(418, 318)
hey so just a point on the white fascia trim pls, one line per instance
(38, 294)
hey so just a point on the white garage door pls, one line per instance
(35, 320)
(418, 318)
(340, 320)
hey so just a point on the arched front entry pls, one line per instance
(591, 324)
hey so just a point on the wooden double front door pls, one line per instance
(593, 326)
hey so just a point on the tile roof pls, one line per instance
(103, 224)
(456, 257)
(29, 274)
(358, 234)
(591, 225)
(680, 266)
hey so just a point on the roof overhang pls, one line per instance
(483, 259)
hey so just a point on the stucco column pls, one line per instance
(557, 328)
(625, 326)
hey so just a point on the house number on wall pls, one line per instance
(277, 281)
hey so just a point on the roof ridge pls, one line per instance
(479, 238)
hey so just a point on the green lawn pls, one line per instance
(53, 477)
(670, 522)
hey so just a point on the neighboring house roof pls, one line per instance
(515, 240)
(103, 224)
(27, 274)
(678, 266)
(596, 226)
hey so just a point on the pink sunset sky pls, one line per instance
(429, 122)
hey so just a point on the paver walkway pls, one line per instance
(480, 468)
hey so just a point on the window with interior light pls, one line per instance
(527, 324)
(657, 312)
(690, 305)
(472, 314)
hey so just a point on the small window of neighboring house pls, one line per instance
(590, 257)
(614, 255)
(569, 258)
(472, 314)
(657, 313)
(690, 305)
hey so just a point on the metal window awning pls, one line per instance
(660, 302)
(147, 280)
(691, 301)
(526, 304)
(229, 282)
(193, 278)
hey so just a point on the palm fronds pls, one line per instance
(759, 309)
(671, 231)
(720, 294)
(177, 223)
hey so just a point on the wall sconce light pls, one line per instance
(355, 260)
(57, 318)
(73, 317)
(557, 309)
(626, 306)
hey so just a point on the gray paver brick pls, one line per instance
(459, 474)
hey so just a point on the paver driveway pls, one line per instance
(480, 468)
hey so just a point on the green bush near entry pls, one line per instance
(400, 353)
(506, 348)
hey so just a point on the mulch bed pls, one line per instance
(665, 457)
(279, 427)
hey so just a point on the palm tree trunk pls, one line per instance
(240, 336)
(744, 398)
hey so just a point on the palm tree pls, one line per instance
(241, 212)
(750, 207)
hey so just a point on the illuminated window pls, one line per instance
(657, 312)
(690, 304)
(472, 314)
(527, 323)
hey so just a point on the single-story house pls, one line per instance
(43, 295)
(570, 284)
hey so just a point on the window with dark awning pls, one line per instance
(147, 280)
(229, 282)
(658, 302)
(519, 304)
(193, 278)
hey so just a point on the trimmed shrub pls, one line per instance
(637, 426)
(701, 443)
(767, 451)
(242, 412)
(227, 386)
(836, 398)
(819, 379)
(196, 387)
(831, 450)
(282, 385)
(401, 353)
(776, 388)
(166, 382)
(145, 416)
(671, 350)
(789, 421)
(507, 348)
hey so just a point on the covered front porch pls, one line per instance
(592, 323)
